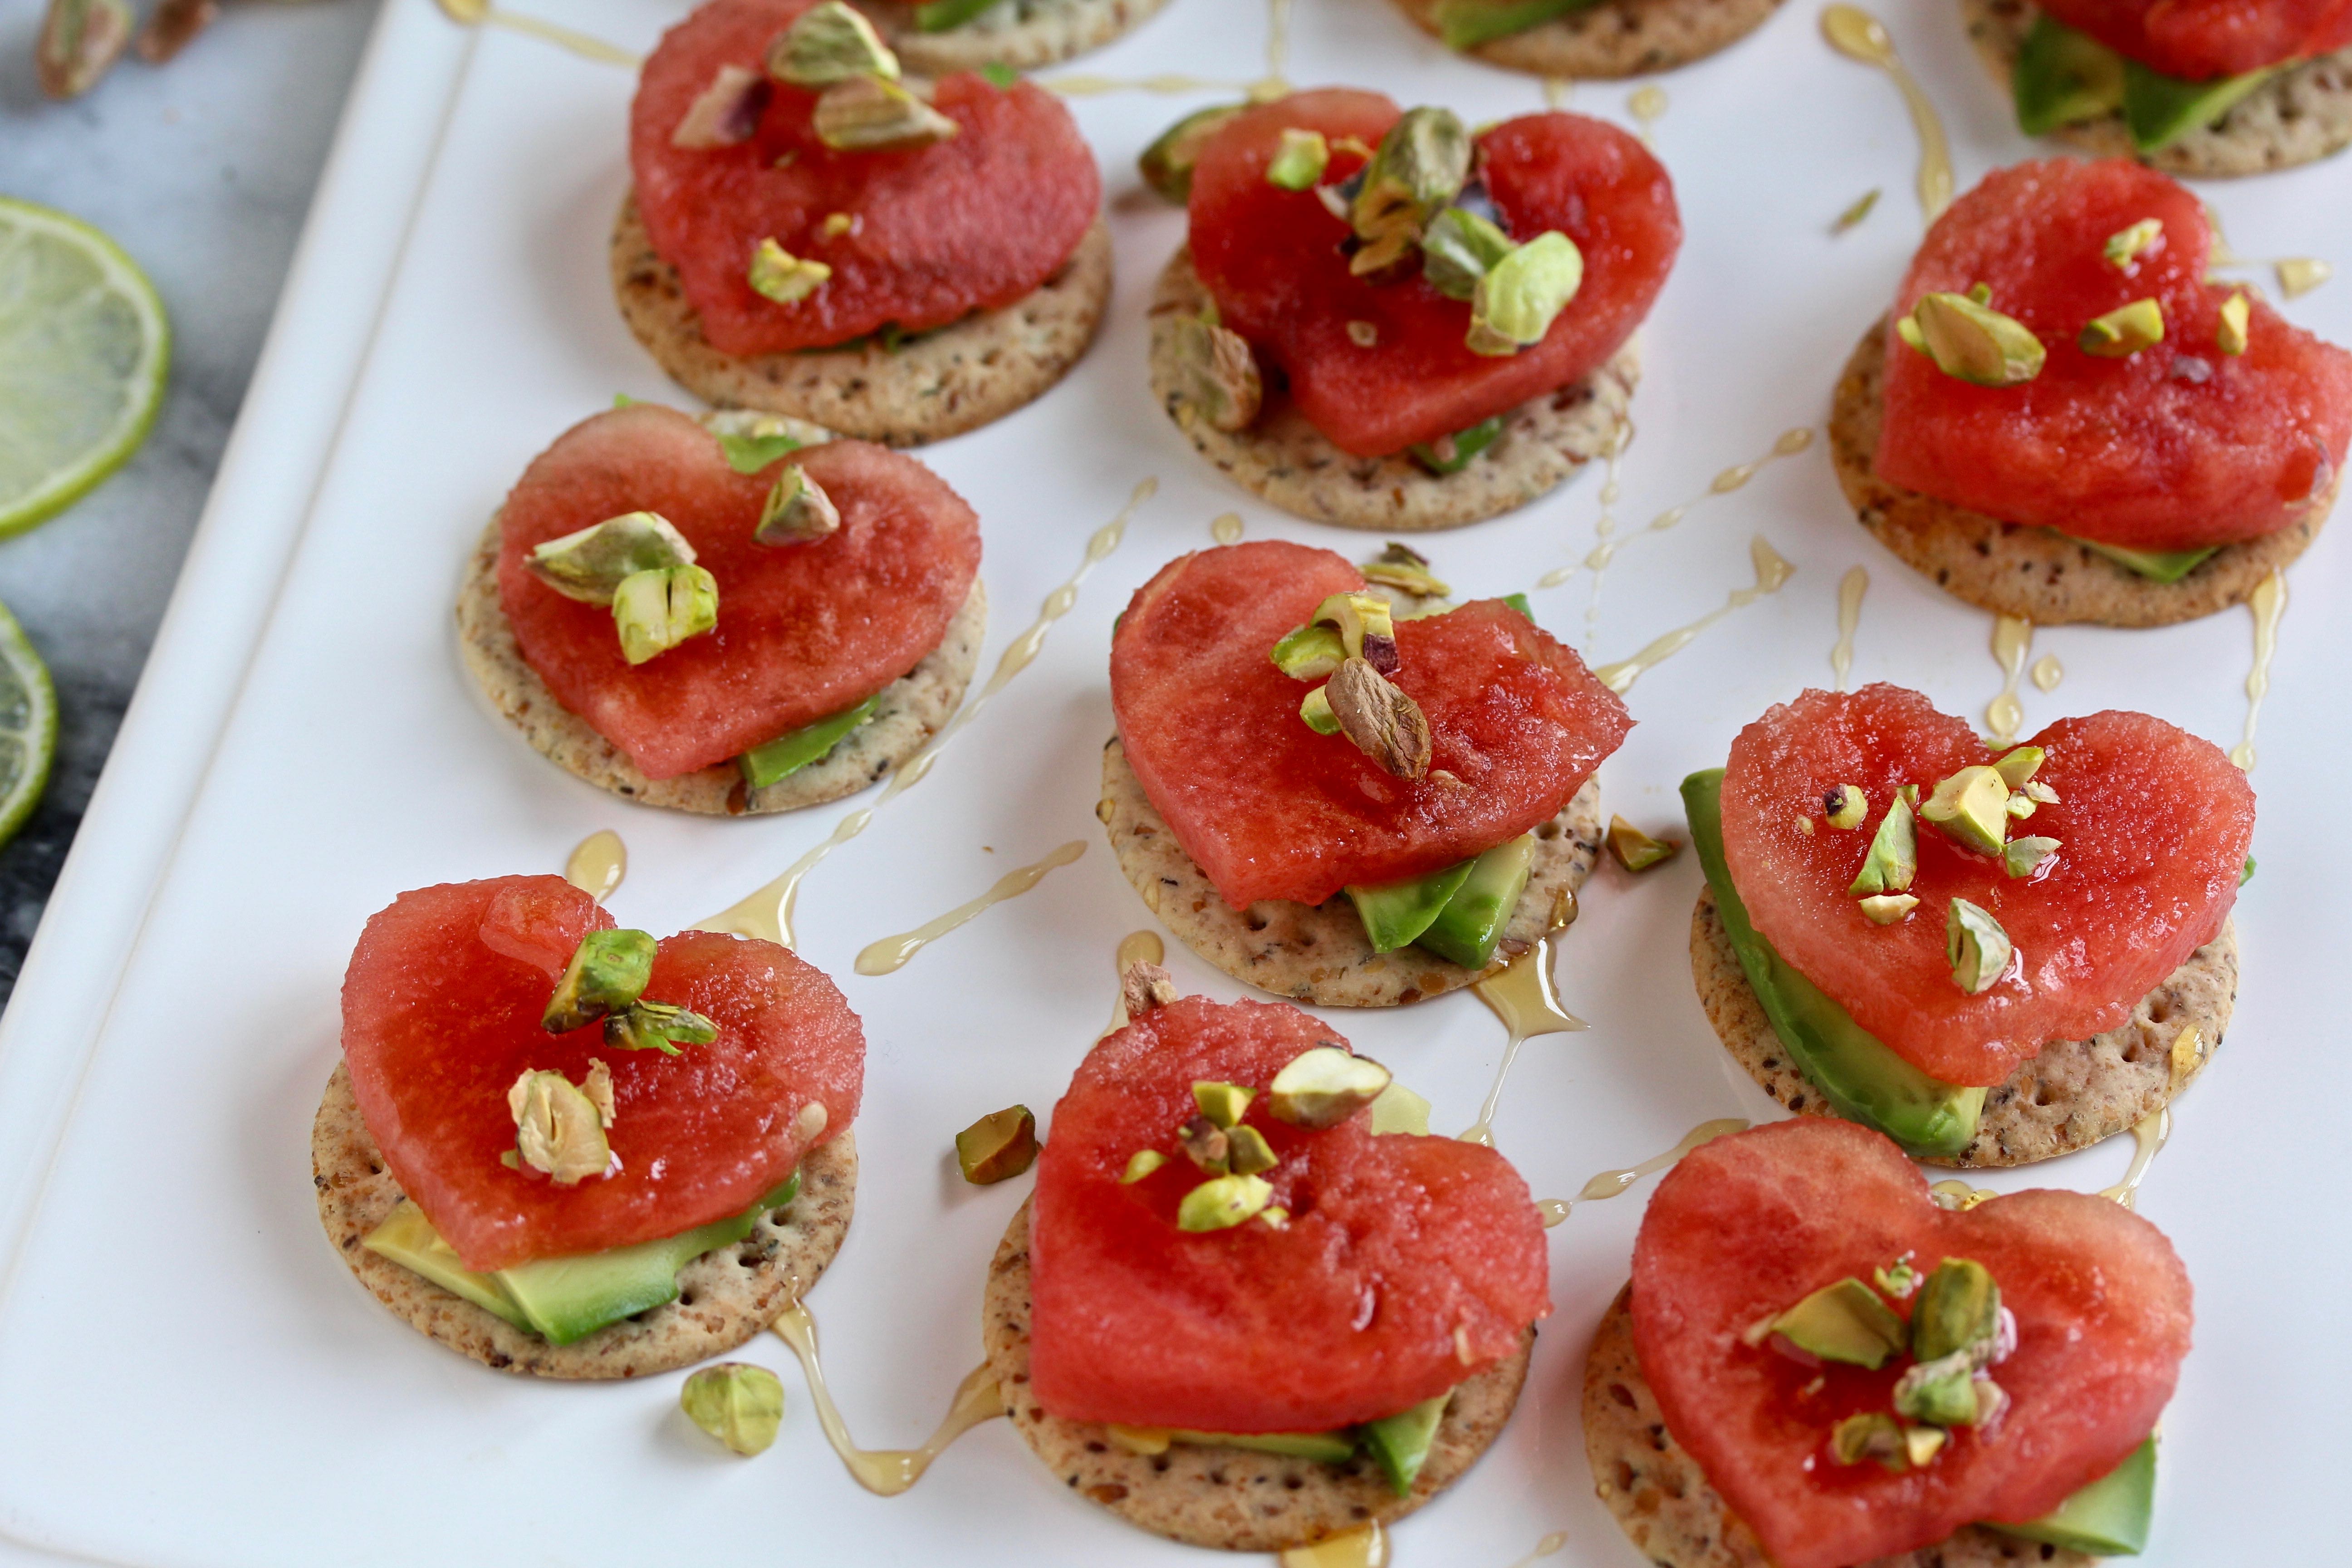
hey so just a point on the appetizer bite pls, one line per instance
(935, 37)
(1288, 735)
(2064, 420)
(1383, 322)
(717, 618)
(1992, 958)
(814, 233)
(1251, 1304)
(2194, 86)
(568, 1150)
(1588, 39)
(1818, 1364)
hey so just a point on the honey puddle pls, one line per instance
(2012, 639)
(1958, 1194)
(1136, 947)
(1525, 999)
(597, 864)
(1850, 588)
(2048, 672)
(1859, 35)
(1227, 529)
(2148, 1138)
(1772, 572)
(1611, 1183)
(1366, 1546)
(2268, 604)
(768, 913)
(886, 1472)
(1790, 443)
(890, 954)
(481, 12)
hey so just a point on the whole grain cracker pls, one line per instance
(913, 709)
(1021, 33)
(2299, 116)
(933, 385)
(1674, 1518)
(1318, 953)
(1286, 460)
(725, 1296)
(2012, 569)
(1234, 1500)
(2073, 1094)
(1616, 38)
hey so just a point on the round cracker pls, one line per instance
(913, 709)
(1021, 33)
(2012, 569)
(933, 385)
(2299, 116)
(1662, 1501)
(1318, 953)
(1235, 1499)
(1289, 462)
(2075, 1094)
(1616, 38)
(724, 1297)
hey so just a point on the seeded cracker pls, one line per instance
(1617, 38)
(1021, 33)
(2073, 1095)
(937, 385)
(2031, 573)
(913, 709)
(725, 1296)
(1234, 1500)
(1318, 953)
(1289, 462)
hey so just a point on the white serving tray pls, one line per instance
(189, 1376)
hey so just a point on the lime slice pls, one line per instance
(83, 350)
(28, 726)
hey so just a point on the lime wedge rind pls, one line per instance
(28, 726)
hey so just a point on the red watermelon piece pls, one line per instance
(1409, 1263)
(972, 223)
(804, 630)
(441, 1010)
(2198, 39)
(2175, 447)
(2153, 825)
(1272, 810)
(1747, 1226)
(1270, 259)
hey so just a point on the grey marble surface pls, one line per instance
(201, 169)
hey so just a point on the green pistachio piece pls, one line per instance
(2125, 246)
(608, 971)
(737, 1402)
(2016, 766)
(2247, 875)
(1971, 807)
(1938, 1392)
(1379, 719)
(1516, 303)
(1845, 805)
(1871, 1435)
(1405, 569)
(656, 1027)
(1216, 375)
(998, 1147)
(1419, 165)
(777, 274)
(1898, 1281)
(1139, 1164)
(2124, 331)
(2021, 805)
(1309, 653)
(1922, 1443)
(1367, 627)
(1978, 949)
(2022, 856)
(725, 113)
(2035, 790)
(1854, 215)
(558, 1129)
(1315, 709)
(1959, 1310)
(751, 440)
(1223, 1202)
(1636, 850)
(1298, 162)
(1323, 1086)
(1893, 857)
(1886, 909)
(827, 44)
(656, 610)
(797, 511)
(1843, 1322)
(868, 113)
(1459, 248)
(1167, 165)
(1970, 341)
(1205, 1144)
(1981, 293)
(2237, 315)
(1453, 453)
(1222, 1104)
(1247, 1151)
(589, 564)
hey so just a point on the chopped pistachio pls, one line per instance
(1223, 1202)
(78, 42)
(751, 440)
(607, 973)
(1843, 1322)
(725, 113)
(1970, 341)
(1363, 334)
(1323, 1086)
(2246, 874)
(1378, 719)
(1636, 850)
(1854, 214)
(1314, 711)
(1274, 1216)
(1298, 162)
(2020, 804)
(998, 1147)
(558, 1130)
(2035, 790)
(2024, 856)
(1367, 627)
(1971, 807)
(1977, 947)
(2124, 331)
(1871, 1435)
(598, 1086)
(1805, 825)
(737, 1402)
(1516, 303)
(827, 44)
(1894, 856)
(797, 511)
(1899, 1280)
(2125, 246)
(1959, 1310)
(1222, 1104)
(1405, 569)
(656, 610)
(1421, 164)
(2018, 764)
(1981, 293)
(1844, 807)
(656, 1027)
(835, 225)
(1247, 1151)
(1139, 1164)
(2237, 315)
(589, 564)
(1205, 1144)
(1886, 909)
(1922, 1443)
(1167, 165)
(1216, 375)
(1993, 1401)
(1144, 987)
(1938, 1392)
(777, 274)
(869, 113)
(1459, 248)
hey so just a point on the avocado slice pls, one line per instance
(1466, 24)
(1519, 603)
(2106, 1518)
(1467, 444)
(1401, 1442)
(1395, 914)
(2062, 76)
(2156, 566)
(1466, 930)
(939, 16)
(1330, 1448)
(408, 1238)
(1862, 1080)
(795, 749)
(2160, 109)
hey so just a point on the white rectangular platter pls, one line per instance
(188, 1375)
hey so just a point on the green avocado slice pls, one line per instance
(1396, 913)
(2109, 1518)
(1330, 1448)
(1862, 1080)
(2160, 109)
(2062, 76)
(1472, 922)
(1467, 444)
(1399, 1443)
(939, 16)
(2156, 566)
(1466, 24)
(795, 749)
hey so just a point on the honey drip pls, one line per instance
(1136, 947)
(890, 954)
(886, 1472)
(481, 12)
(1790, 443)
(2048, 672)
(1859, 35)
(1553, 1210)
(768, 913)
(1611, 1183)
(1771, 572)
(1604, 530)
(1556, 91)
(2268, 604)
(1544, 1548)
(1525, 999)
(2012, 639)
(1366, 1546)
(1227, 529)
(1647, 106)
(1850, 588)
(1277, 53)
(1080, 85)
(597, 864)
(1959, 1194)
(2149, 1136)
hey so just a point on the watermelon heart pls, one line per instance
(804, 630)
(1272, 259)
(2175, 447)
(1270, 809)
(441, 1015)
(2196, 41)
(970, 223)
(1747, 1226)
(2153, 826)
(1408, 1263)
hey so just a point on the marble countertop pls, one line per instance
(201, 169)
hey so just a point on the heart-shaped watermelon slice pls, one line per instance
(1269, 808)
(1408, 1263)
(804, 630)
(934, 232)
(1272, 259)
(2177, 447)
(441, 1015)
(2153, 826)
(2196, 40)
(1747, 1226)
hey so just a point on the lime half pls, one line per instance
(83, 350)
(28, 726)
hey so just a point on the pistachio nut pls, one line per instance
(2024, 856)
(607, 973)
(1405, 569)
(1167, 165)
(1459, 248)
(1380, 720)
(78, 42)
(797, 511)
(2237, 315)
(1315, 711)
(1222, 1201)
(2125, 246)
(1843, 1322)
(998, 1147)
(725, 113)
(1894, 856)
(751, 440)
(1298, 162)
(1144, 987)
(1938, 1392)
(1871, 1435)
(2035, 790)
(588, 565)
(1363, 334)
(1323, 1086)
(1978, 949)
(598, 1086)
(1636, 850)
(1845, 805)
(1222, 1104)
(1139, 1164)
(2020, 764)
(1959, 1310)
(1922, 1443)
(2124, 331)
(1514, 304)
(1419, 165)
(558, 1130)
(1309, 652)
(1216, 375)
(871, 113)
(1205, 1144)
(656, 610)
(1971, 807)
(657, 1026)
(827, 44)
(1898, 1280)
(1367, 625)
(1886, 909)
(1274, 1216)
(737, 1402)
(1970, 341)
(777, 274)
(1247, 1151)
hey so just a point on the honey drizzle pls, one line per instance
(2048, 672)
(479, 13)
(1790, 443)
(1647, 105)
(1604, 530)
(1081, 85)
(1859, 35)
(1277, 53)
(1227, 529)
(1556, 91)
(891, 953)
(1545, 1548)
(2268, 603)
(597, 864)
(2012, 639)
(1850, 588)
(1613, 1183)
(1366, 1546)
(1959, 1194)
(1771, 572)
(2149, 1135)
(1136, 947)
(886, 1472)
(768, 913)
(1526, 998)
